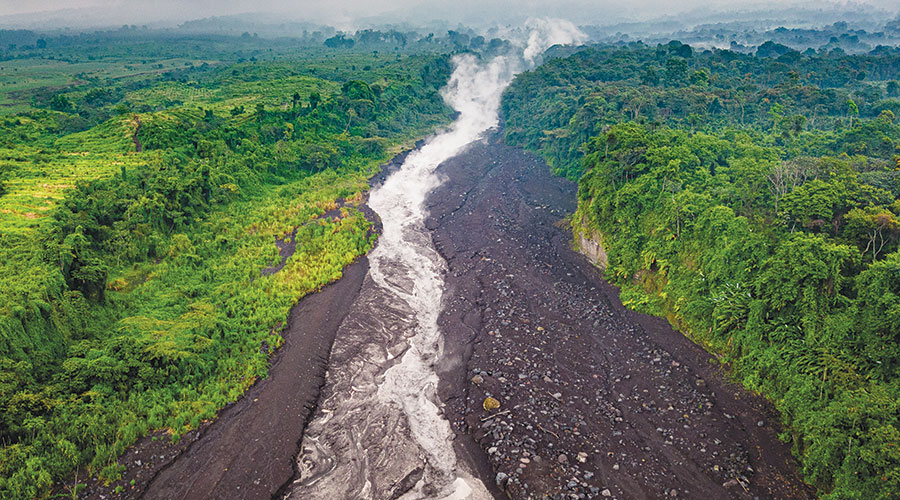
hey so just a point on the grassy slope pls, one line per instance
(181, 335)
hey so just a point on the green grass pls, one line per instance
(40, 180)
(19, 79)
(221, 99)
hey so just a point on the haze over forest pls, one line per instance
(349, 15)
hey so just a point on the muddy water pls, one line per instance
(379, 431)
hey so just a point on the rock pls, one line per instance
(731, 483)
(582, 457)
(606, 493)
(524, 460)
(490, 403)
(588, 475)
(477, 379)
(563, 459)
(501, 478)
(616, 467)
(761, 423)
(673, 493)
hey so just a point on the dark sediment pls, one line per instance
(249, 450)
(596, 401)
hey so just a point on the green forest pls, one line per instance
(147, 179)
(753, 200)
(140, 201)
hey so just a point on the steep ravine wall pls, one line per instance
(587, 240)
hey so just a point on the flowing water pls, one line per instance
(379, 432)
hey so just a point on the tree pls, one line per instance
(83, 271)
(700, 78)
(876, 226)
(61, 103)
(676, 71)
(772, 49)
(650, 76)
(811, 205)
(893, 88)
(852, 110)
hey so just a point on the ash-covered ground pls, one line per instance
(595, 401)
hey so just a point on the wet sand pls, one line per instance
(595, 401)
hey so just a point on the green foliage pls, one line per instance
(756, 211)
(803, 106)
(131, 279)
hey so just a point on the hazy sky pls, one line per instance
(345, 11)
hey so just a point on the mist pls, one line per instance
(355, 14)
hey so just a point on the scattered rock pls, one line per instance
(563, 459)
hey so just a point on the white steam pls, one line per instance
(545, 33)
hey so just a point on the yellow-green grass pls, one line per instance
(39, 181)
(113, 136)
(271, 93)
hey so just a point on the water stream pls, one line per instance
(379, 432)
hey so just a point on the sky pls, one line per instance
(348, 12)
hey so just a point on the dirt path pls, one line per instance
(138, 147)
(596, 401)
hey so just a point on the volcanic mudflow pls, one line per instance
(595, 400)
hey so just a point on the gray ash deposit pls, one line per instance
(595, 401)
